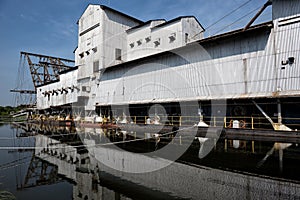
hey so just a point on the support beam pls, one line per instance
(279, 112)
(24, 91)
(277, 126)
(45, 56)
(269, 2)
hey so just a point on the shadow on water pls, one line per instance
(66, 160)
(279, 160)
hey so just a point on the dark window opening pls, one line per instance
(118, 54)
(96, 66)
(186, 37)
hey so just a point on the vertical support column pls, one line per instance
(200, 113)
(215, 122)
(279, 112)
(253, 147)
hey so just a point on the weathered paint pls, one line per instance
(239, 64)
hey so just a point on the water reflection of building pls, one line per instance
(94, 180)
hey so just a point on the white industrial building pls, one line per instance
(122, 60)
(107, 38)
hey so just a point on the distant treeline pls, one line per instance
(7, 110)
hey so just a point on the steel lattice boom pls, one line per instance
(46, 69)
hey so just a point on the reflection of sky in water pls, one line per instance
(12, 172)
(233, 169)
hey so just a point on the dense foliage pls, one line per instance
(6, 110)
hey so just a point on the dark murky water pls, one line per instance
(65, 164)
(14, 167)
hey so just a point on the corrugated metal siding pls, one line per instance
(114, 36)
(285, 8)
(225, 70)
(288, 45)
(241, 66)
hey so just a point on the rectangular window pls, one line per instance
(88, 41)
(96, 66)
(86, 89)
(118, 54)
(186, 37)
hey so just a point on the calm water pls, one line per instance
(65, 164)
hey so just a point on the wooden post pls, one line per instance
(135, 119)
(145, 119)
(180, 142)
(253, 147)
(225, 146)
(225, 122)
(252, 123)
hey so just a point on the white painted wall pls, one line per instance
(89, 37)
(149, 40)
(286, 15)
(140, 41)
(246, 66)
(68, 81)
(114, 37)
(101, 32)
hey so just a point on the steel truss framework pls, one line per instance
(46, 69)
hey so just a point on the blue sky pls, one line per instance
(49, 27)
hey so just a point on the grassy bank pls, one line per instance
(6, 112)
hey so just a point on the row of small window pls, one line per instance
(172, 38)
(88, 52)
(59, 91)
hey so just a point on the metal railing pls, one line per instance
(251, 122)
(254, 122)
